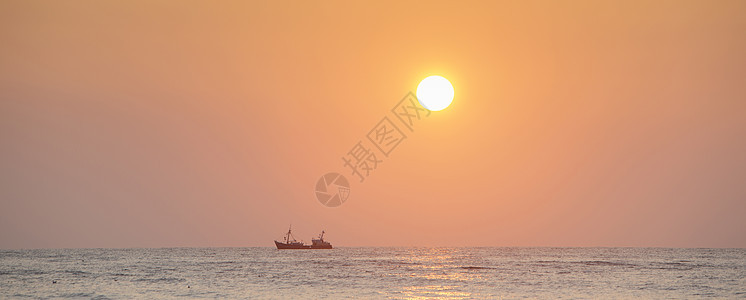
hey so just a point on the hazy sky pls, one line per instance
(179, 123)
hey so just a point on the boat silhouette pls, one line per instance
(290, 242)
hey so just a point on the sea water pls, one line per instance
(449, 273)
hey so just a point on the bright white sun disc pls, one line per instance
(435, 93)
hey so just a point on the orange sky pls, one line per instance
(178, 123)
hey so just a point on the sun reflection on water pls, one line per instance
(429, 266)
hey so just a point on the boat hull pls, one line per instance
(291, 246)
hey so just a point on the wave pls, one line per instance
(84, 295)
(162, 279)
(587, 263)
(477, 268)
(606, 263)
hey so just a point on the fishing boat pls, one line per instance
(289, 242)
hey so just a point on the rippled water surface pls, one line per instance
(374, 273)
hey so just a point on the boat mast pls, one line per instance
(287, 237)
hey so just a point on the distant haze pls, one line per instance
(180, 123)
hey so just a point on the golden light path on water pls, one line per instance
(435, 265)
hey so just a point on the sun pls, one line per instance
(435, 93)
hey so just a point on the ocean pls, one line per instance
(379, 273)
